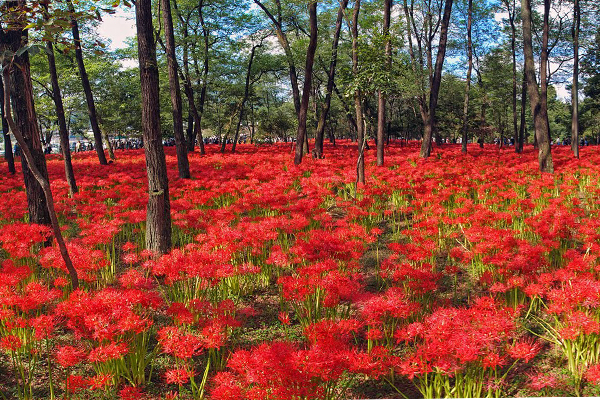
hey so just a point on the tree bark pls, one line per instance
(320, 133)
(436, 80)
(465, 128)
(537, 98)
(109, 147)
(381, 124)
(87, 89)
(521, 141)
(158, 218)
(62, 122)
(513, 45)
(20, 90)
(246, 94)
(200, 110)
(8, 151)
(285, 44)
(360, 135)
(183, 164)
(310, 57)
(575, 83)
(40, 176)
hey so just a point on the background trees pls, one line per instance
(224, 96)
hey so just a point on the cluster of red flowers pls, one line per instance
(432, 269)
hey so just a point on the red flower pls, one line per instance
(284, 318)
(68, 356)
(131, 393)
(524, 350)
(593, 374)
(178, 376)
(11, 343)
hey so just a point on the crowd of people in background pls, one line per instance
(137, 143)
(127, 144)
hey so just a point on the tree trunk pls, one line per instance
(190, 128)
(283, 41)
(41, 176)
(200, 112)
(436, 81)
(185, 77)
(537, 100)
(521, 140)
(465, 127)
(62, 123)
(513, 45)
(320, 133)
(158, 218)
(8, 151)
(575, 83)
(246, 94)
(381, 125)
(360, 135)
(87, 89)
(109, 147)
(20, 90)
(310, 57)
(183, 164)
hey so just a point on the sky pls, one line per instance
(118, 27)
(121, 25)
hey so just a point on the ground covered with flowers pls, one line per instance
(456, 276)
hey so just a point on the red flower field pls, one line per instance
(457, 276)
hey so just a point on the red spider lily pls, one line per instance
(524, 350)
(180, 345)
(593, 374)
(76, 383)
(284, 318)
(131, 393)
(69, 356)
(540, 381)
(178, 376)
(450, 338)
(11, 343)
(108, 352)
(100, 381)
(18, 238)
(44, 326)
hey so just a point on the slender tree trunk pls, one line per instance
(87, 89)
(183, 164)
(513, 45)
(200, 113)
(436, 81)
(538, 105)
(185, 77)
(189, 134)
(8, 151)
(20, 90)
(62, 123)
(109, 147)
(320, 133)
(360, 134)
(465, 127)
(252, 123)
(41, 176)
(283, 41)
(381, 125)
(575, 83)
(158, 218)
(310, 57)
(521, 141)
(246, 94)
